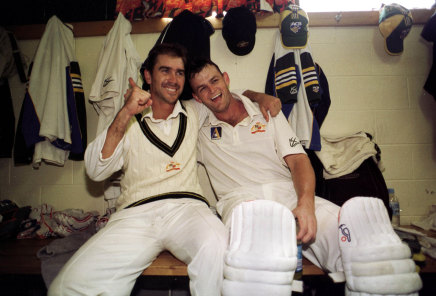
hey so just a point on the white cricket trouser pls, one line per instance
(110, 261)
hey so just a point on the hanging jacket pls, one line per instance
(51, 122)
(7, 118)
(293, 79)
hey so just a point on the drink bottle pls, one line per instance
(395, 206)
(299, 270)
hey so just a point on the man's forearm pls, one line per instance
(303, 178)
(115, 133)
(99, 169)
(252, 95)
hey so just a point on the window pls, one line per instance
(354, 5)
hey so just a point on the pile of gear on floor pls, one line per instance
(45, 222)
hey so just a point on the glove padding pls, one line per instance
(375, 259)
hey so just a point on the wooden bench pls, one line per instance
(19, 257)
(21, 269)
(20, 273)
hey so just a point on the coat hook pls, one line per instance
(338, 17)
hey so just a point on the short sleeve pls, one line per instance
(286, 139)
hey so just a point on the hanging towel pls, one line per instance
(118, 61)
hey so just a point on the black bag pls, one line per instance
(12, 218)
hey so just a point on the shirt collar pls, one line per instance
(251, 108)
(178, 108)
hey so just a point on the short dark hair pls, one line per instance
(171, 49)
(199, 64)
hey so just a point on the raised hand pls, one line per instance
(266, 103)
(269, 104)
(136, 99)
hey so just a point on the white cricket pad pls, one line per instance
(234, 288)
(258, 276)
(353, 293)
(262, 237)
(375, 259)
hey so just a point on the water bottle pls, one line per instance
(394, 204)
(299, 270)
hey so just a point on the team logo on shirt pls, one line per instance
(215, 133)
(173, 166)
(258, 127)
(107, 81)
(293, 142)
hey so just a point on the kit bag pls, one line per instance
(11, 216)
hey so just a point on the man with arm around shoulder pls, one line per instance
(161, 206)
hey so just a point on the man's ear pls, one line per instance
(226, 79)
(196, 98)
(147, 76)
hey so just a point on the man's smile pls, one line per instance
(171, 88)
(215, 97)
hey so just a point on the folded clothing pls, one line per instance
(342, 155)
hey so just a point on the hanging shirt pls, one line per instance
(50, 119)
(118, 61)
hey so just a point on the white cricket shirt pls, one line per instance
(248, 158)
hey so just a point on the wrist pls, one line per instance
(124, 115)
(307, 200)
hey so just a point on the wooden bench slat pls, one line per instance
(166, 264)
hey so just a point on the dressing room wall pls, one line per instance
(370, 91)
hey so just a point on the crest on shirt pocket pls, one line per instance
(215, 133)
(173, 166)
(258, 127)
